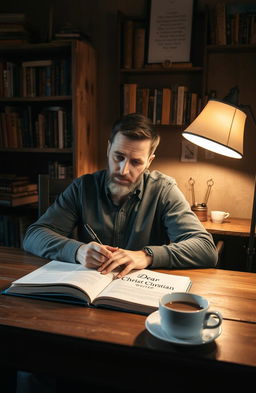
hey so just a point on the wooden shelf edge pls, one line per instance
(35, 150)
(231, 48)
(160, 70)
(36, 99)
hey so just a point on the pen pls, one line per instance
(95, 237)
(92, 233)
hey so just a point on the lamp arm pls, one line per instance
(250, 110)
(251, 248)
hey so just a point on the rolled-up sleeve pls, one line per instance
(190, 245)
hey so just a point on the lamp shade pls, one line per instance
(218, 128)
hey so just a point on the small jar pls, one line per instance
(200, 210)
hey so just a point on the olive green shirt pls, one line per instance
(156, 214)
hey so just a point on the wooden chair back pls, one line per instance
(48, 189)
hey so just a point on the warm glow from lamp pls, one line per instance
(218, 128)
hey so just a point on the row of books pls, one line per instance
(17, 191)
(23, 127)
(164, 106)
(133, 44)
(60, 170)
(35, 78)
(232, 24)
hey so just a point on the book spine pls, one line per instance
(180, 104)
(145, 101)
(221, 37)
(130, 93)
(139, 47)
(159, 105)
(166, 106)
(127, 43)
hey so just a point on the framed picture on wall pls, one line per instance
(170, 30)
(188, 151)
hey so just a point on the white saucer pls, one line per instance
(153, 326)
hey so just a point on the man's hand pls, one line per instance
(93, 254)
(126, 259)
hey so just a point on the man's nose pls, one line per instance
(124, 167)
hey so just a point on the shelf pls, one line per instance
(37, 47)
(36, 99)
(231, 48)
(161, 70)
(170, 127)
(36, 150)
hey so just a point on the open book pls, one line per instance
(139, 291)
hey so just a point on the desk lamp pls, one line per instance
(220, 128)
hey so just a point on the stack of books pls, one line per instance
(13, 29)
(17, 190)
(70, 32)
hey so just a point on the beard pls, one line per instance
(119, 192)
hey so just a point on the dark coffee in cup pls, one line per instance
(183, 306)
(185, 315)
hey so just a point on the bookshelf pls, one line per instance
(154, 89)
(47, 113)
(71, 89)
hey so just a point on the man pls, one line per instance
(141, 218)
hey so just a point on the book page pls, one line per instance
(63, 273)
(144, 287)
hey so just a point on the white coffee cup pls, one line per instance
(218, 216)
(183, 323)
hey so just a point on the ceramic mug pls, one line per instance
(184, 315)
(218, 216)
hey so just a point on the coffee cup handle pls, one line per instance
(217, 315)
(226, 215)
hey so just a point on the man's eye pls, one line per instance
(136, 162)
(118, 157)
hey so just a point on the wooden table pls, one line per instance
(233, 237)
(230, 227)
(114, 348)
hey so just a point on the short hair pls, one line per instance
(137, 127)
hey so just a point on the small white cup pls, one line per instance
(218, 216)
(186, 324)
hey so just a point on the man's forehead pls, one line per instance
(123, 144)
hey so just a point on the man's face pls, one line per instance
(127, 161)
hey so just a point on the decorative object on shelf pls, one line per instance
(220, 128)
(200, 209)
(170, 31)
